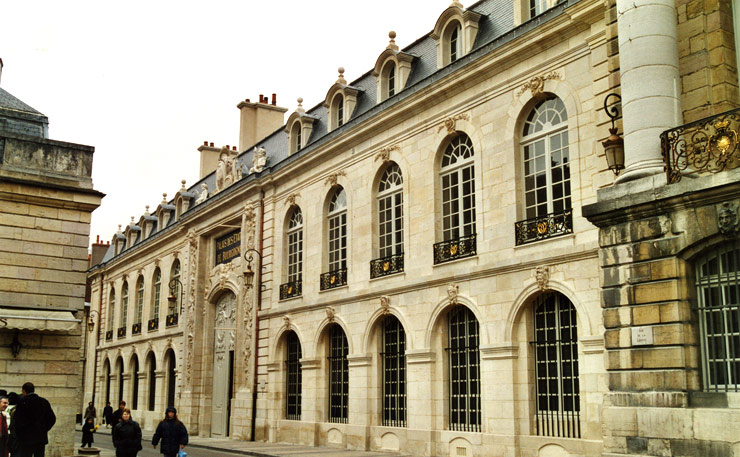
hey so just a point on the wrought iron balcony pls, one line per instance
(152, 325)
(171, 320)
(458, 248)
(333, 279)
(709, 145)
(136, 329)
(121, 332)
(543, 227)
(291, 289)
(109, 335)
(386, 266)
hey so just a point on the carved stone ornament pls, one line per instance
(202, 195)
(451, 123)
(330, 313)
(727, 219)
(227, 170)
(385, 153)
(542, 276)
(452, 292)
(259, 160)
(156, 262)
(149, 345)
(286, 321)
(332, 178)
(169, 342)
(290, 199)
(537, 84)
(385, 304)
(176, 254)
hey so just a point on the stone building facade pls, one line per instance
(46, 198)
(405, 266)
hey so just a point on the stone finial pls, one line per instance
(119, 228)
(300, 109)
(392, 44)
(456, 3)
(340, 78)
(183, 185)
(164, 197)
(146, 210)
(132, 220)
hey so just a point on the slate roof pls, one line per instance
(9, 101)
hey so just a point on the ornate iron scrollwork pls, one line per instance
(541, 228)
(121, 332)
(386, 266)
(291, 289)
(109, 335)
(333, 279)
(172, 319)
(153, 324)
(136, 329)
(464, 246)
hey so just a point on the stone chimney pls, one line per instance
(259, 120)
(98, 251)
(208, 158)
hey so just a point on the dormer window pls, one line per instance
(338, 106)
(341, 101)
(391, 79)
(299, 127)
(455, 33)
(392, 70)
(296, 140)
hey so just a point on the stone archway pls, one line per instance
(223, 363)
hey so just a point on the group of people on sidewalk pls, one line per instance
(25, 421)
(126, 433)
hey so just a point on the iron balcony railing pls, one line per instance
(152, 325)
(121, 332)
(136, 329)
(109, 335)
(334, 279)
(291, 289)
(386, 265)
(543, 227)
(458, 248)
(171, 320)
(709, 145)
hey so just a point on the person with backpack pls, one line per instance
(32, 420)
(172, 433)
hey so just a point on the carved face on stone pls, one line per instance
(727, 218)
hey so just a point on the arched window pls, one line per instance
(152, 381)
(546, 163)
(124, 311)
(454, 42)
(296, 140)
(171, 377)
(556, 367)
(294, 262)
(139, 304)
(718, 299)
(173, 306)
(394, 373)
(390, 224)
(293, 377)
(111, 310)
(457, 182)
(119, 365)
(464, 367)
(156, 297)
(338, 110)
(337, 241)
(106, 374)
(338, 375)
(135, 382)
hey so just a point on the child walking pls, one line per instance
(87, 432)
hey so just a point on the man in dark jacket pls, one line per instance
(172, 432)
(108, 414)
(126, 436)
(117, 415)
(32, 420)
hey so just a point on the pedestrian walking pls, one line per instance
(108, 414)
(172, 433)
(90, 412)
(87, 432)
(117, 414)
(32, 420)
(13, 399)
(4, 429)
(126, 436)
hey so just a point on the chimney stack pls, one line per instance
(259, 120)
(98, 251)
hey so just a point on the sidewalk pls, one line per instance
(259, 448)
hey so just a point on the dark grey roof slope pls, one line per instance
(8, 101)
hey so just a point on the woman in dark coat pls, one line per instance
(172, 433)
(87, 432)
(127, 436)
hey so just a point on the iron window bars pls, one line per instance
(171, 320)
(109, 335)
(136, 329)
(394, 373)
(153, 324)
(446, 251)
(385, 266)
(544, 227)
(291, 289)
(121, 332)
(333, 279)
(555, 344)
(464, 365)
(338, 375)
(293, 377)
(718, 292)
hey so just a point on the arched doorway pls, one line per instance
(106, 378)
(171, 376)
(152, 363)
(119, 368)
(223, 363)
(135, 382)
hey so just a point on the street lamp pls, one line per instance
(614, 144)
(249, 273)
(91, 321)
(172, 299)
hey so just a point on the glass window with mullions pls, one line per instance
(338, 231)
(556, 367)
(139, 300)
(295, 246)
(111, 308)
(157, 291)
(175, 275)
(718, 300)
(124, 306)
(464, 365)
(390, 212)
(458, 189)
(293, 377)
(394, 373)
(338, 375)
(546, 160)
(537, 7)
(454, 42)
(391, 79)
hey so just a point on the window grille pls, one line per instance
(293, 377)
(157, 293)
(392, 80)
(454, 42)
(139, 299)
(124, 306)
(464, 366)
(556, 367)
(458, 189)
(173, 307)
(338, 375)
(338, 231)
(394, 373)
(718, 292)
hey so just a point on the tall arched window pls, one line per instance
(124, 311)
(337, 241)
(135, 382)
(107, 377)
(173, 306)
(338, 110)
(718, 297)
(293, 376)
(338, 375)
(464, 364)
(171, 377)
(454, 42)
(390, 224)
(139, 305)
(556, 367)
(121, 386)
(394, 373)
(296, 137)
(294, 235)
(156, 297)
(152, 382)
(111, 310)
(546, 172)
(457, 177)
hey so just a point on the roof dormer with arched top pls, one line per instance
(341, 101)
(392, 69)
(299, 128)
(455, 33)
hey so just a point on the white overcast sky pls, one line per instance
(146, 83)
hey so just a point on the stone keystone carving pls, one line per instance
(542, 276)
(332, 178)
(537, 84)
(385, 304)
(290, 199)
(385, 153)
(286, 321)
(452, 292)
(330, 313)
(451, 123)
(727, 219)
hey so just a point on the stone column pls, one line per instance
(651, 86)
